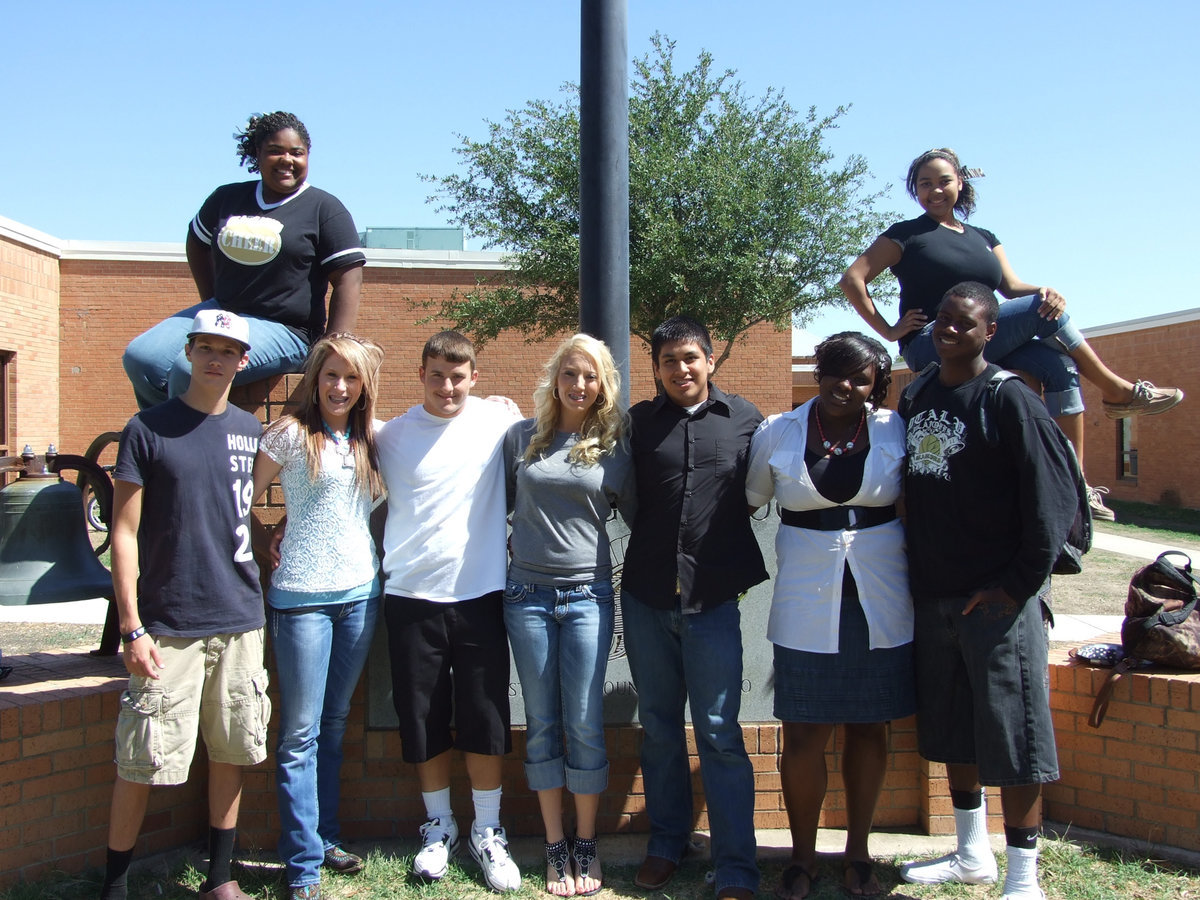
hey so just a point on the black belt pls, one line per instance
(838, 518)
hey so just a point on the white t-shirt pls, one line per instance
(445, 534)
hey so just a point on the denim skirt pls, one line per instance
(856, 684)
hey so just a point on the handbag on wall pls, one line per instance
(1162, 624)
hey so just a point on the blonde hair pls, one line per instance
(364, 358)
(605, 424)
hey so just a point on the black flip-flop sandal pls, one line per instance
(864, 871)
(787, 881)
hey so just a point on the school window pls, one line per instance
(1127, 455)
(6, 358)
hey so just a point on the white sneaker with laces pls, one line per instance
(439, 843)
(950, 867)
(490, 849)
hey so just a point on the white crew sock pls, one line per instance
(1021, 877)
(437, 804)
(487, 808)
(970, 826)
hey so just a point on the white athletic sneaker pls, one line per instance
(950, 867)
(490, 849)
(1039, 894)
(439, 840)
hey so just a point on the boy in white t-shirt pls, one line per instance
(445, 562)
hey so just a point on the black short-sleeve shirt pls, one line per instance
(934, 259)
(273, 260)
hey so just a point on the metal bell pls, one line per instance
(45, 553)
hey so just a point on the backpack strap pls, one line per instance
(987, 415)
(910, 394)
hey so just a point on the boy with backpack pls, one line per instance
(986, 522)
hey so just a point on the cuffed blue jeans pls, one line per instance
(319, 654)
(560, 638)
(158, 368)
(1025, 341)
(697, 659)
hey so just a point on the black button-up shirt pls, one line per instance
(692, 533)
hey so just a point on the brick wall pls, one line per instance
(57, 715)
(105, 303)
(29, 289)
(1136, 775)
(1167, 444)
(59, 708)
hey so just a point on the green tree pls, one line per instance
(737, 212)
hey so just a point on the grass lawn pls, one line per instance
(1069, 872)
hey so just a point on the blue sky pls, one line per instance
(118, 117)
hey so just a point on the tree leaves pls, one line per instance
(738, 212)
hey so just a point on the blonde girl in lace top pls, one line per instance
(324, 596)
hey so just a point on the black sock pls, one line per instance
(220, 856)
(116, 873)
(1021, 838)
(966, 799)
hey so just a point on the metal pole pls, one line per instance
(604, 179)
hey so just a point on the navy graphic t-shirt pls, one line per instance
(197, 574)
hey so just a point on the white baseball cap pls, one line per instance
(222, 323)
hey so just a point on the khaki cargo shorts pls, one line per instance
(215, 685)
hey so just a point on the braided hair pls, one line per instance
(259, 130)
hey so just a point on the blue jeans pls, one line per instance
(319, 654)
(560, 638)
(158, 369)
(1026, 341)
(695, 658)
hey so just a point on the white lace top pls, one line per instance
(327, 546)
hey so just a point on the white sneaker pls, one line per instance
(950, 867)
(1038, 894)
(490, 849)
(439, 840)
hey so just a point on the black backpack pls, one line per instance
(1079, 538)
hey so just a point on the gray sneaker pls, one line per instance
(1095, 501)
(1147, 400)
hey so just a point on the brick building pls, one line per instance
(68, 308)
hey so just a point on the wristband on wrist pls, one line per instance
(133, 635)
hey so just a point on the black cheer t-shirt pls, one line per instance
(273, 260)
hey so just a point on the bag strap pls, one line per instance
(987, 408)
(910, 393)
(1100, 705)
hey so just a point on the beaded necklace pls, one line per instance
(831, 446)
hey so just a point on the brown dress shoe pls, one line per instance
(655, 873)
(227, 891)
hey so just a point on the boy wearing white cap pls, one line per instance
(189, 602)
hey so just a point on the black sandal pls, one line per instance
(864, 871)
(787, 881)
(583, 852)
(556, 858)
